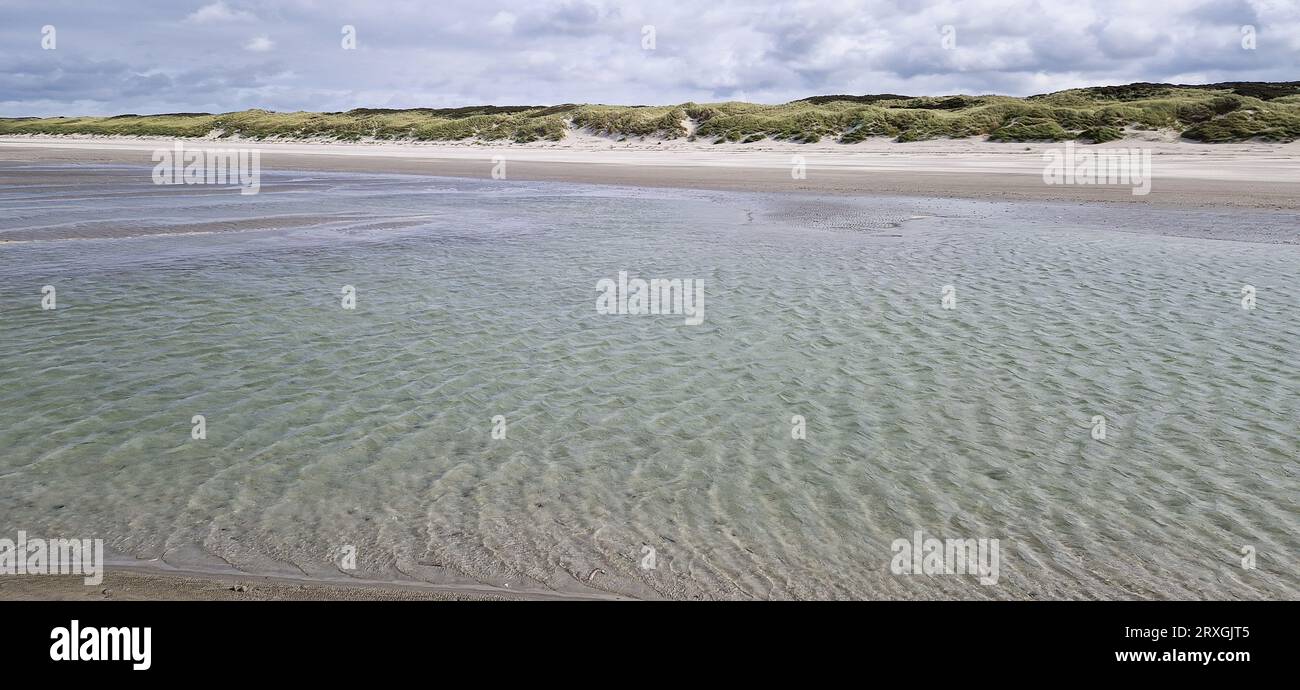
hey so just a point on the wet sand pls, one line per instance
(142, 584)
(1185, 174)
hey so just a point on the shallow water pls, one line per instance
(373, 427)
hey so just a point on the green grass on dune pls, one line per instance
(1235, 111)
(663, 122)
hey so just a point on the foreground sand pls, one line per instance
(1251, 175)
(132, 584)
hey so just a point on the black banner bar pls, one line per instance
(334, 640)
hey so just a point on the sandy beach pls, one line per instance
(1257, 175)
(148, 584)
(124, 585)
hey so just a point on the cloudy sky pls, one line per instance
(149, 56)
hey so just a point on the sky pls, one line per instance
(94, 57)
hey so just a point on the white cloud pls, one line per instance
(259, 44)
(503, 22)
(218, 12)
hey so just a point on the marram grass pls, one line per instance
(1237, 111)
